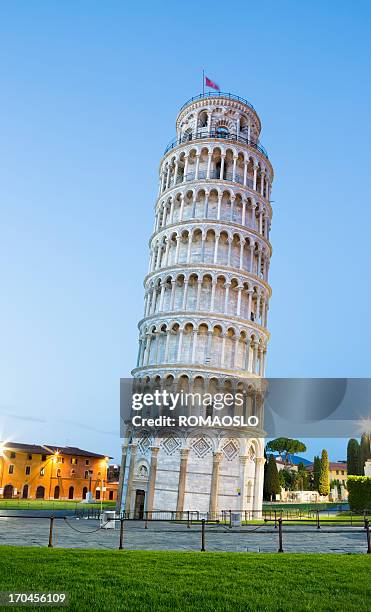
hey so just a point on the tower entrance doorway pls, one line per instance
(139, 504)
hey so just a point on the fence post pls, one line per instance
(203, 535)
(318, 525)
(50, 545)
(230, 519)
(275, 519)
(146, 523)
(280, 548)
(121, 546)
(367, 527)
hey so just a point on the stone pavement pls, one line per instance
(82, 533)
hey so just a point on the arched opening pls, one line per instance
(139, 504)
(8, 492)
(202, 119)
(70, 493)
(222, 131)
(57, 492)
(84, 492)
(25, 492)
(40, 492)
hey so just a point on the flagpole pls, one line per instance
(203, 82)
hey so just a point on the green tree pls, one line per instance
(302, 478)
(324, 479)
(364, 452)
(272, 482)
(316, 472)
(285, 447)
(287, 478)
(353, 457)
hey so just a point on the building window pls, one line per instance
(12, 455)
(29, 457)
(43, 457)
(58, 472)
(86, 473)
(28, 470)
(73, 460)
(342, 471)
(111, 495)
(87, 462)
(11, 469)
(60, 459)
(72, 472)
(42, 472)
(97, 494)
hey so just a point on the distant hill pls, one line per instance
(293, 459)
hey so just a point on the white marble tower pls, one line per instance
(206, 307)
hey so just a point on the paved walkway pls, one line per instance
(74, 533)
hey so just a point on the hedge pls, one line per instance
(359, 488)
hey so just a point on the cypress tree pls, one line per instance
(316, 472)
(353, 458)
(364, 453)
(324, 479)
(272, 481)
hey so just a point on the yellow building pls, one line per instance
(338, 471)
(28, 471)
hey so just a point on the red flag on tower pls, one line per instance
(210, 83)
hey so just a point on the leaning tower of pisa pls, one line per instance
(206, 307)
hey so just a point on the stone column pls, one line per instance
(172, 297)
(167, 249)
(197, 166)
(255, 176)
(242, 245)
(162, 295)
(181, 207)
(219, 207)
(245, 173)
(213, 287)
(206, 209)
(185, 167)
(262, 175)
(172, 204)
(152, 481)
(182, 481)
(222, 167)
(208, 165)
(124, 450)
(234, 168)
(252, 250)
(185, 294)
(199, 287)
(240, 289)
(129, 491)
(243, 477)
(258, 487)
(189, 247)
(175, 173)
(213, 506)
(216, 249)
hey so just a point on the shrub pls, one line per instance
(359, 488)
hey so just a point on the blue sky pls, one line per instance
(90, 93)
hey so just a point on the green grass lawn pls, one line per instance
(185, 581)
